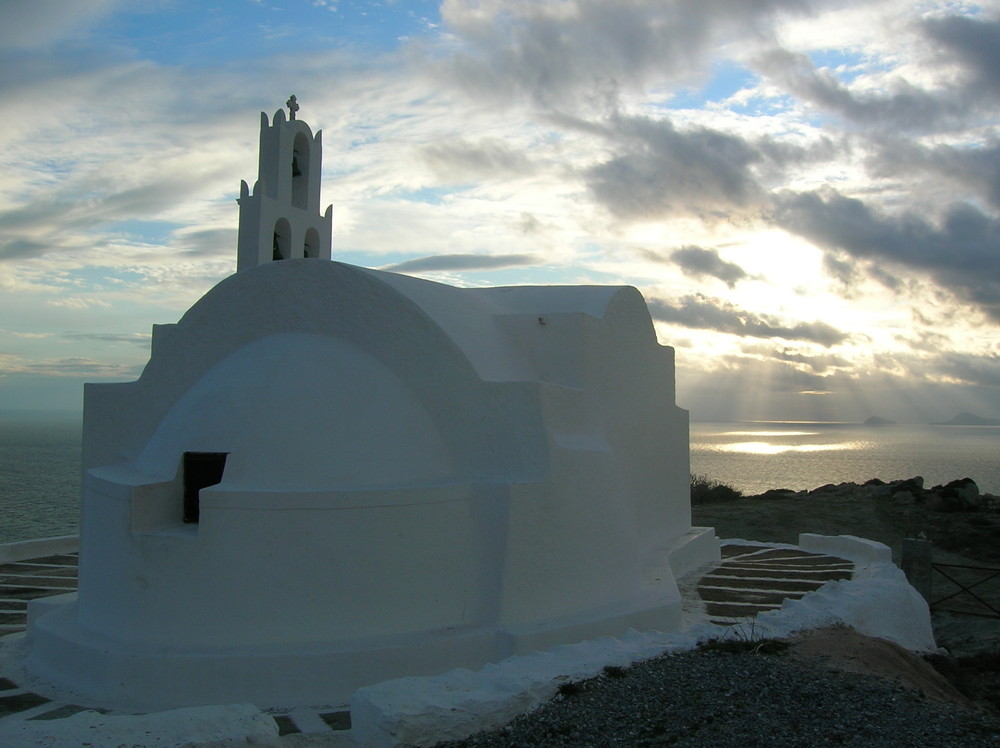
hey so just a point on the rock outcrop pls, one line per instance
(961, 495)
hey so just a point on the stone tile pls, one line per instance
(66, 710)
(20, 702)
(337, 720)
(286, 725)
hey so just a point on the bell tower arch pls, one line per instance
(281, 218)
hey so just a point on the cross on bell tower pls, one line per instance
(280, 219)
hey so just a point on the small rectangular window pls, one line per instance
(201, 469)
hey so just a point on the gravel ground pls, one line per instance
(718, 699)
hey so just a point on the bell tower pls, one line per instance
(281, 218)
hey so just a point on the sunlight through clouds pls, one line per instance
(807, 193)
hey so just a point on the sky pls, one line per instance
(806, 192)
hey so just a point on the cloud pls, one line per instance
(462, 262)
(206, 242)
(556, 55)
(974, 167)
(16, 247)
(904, 106)
(136, 338)
(628, 124)
(75, 366)
(660, 171)
(79, 302)
(28, 24)
(970, 369)
(462, 160)
(843, 270)
(701, 262)
(46, 218)
(701, 312)
(815, 364)
(960, 251)
(69, 216)
(974, 41)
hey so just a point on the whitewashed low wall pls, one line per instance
(25, 549)
(858, 550)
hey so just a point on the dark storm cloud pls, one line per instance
(703, 313)
(554, 54)
(462, 262)
(660, 171)
(973, 41)
(701, 262)
(961, 251)
(905, 107)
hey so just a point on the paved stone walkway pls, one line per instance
(25, 580)
(752, 579)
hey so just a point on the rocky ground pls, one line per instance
(797, 694)
(828, 687)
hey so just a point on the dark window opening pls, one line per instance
(201, 469)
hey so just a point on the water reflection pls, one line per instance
(769, 433)
(769, 448)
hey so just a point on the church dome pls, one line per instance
(300, 412)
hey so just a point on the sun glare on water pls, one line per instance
(769, 433)
(767, 448)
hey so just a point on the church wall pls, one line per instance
(614, 492)
(287, 575)
(361, 563)
(631, 382)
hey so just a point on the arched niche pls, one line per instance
(282, 246)
(300, 171)
(310, 247)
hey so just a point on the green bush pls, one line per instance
(706, 491)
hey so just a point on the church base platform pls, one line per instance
(90, 669)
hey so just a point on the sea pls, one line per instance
(40, 461)
(756, 456)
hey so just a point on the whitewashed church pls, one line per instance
(329, 476)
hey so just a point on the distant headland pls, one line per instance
(969, 419)
(877, 421)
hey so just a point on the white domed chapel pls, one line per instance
(328, 476)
